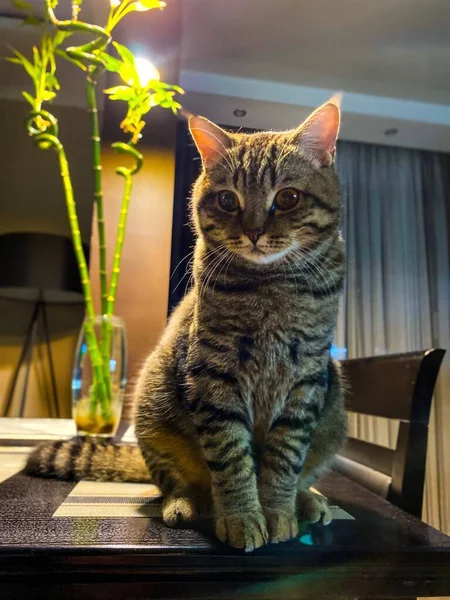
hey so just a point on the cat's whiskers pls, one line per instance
(233, 257)
(226, 264)
(211, 268)
(189, 255)
(190, 267)
(288, 263)
(311, 268)
(298, 264)
(217, 264)
(321, 262)
(316, 268)
(210, 253)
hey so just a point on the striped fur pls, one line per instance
(240, 405)
(86, 458)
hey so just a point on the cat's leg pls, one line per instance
(168, 444)
(284, 452)
(224, 429)
(326, 442)
(177, 467)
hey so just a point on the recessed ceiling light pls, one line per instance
(390, 132)
(239, 112)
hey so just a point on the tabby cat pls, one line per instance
(240, 405)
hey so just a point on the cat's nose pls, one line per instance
(254, 235)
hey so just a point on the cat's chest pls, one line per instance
(267, 341)
(269, 359)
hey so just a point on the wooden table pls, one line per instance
(382, 553)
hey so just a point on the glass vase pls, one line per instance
(98, 386)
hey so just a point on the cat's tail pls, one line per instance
(85, 458)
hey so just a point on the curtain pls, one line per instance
(396, 225)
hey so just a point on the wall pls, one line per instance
(31, 194)
(142, 297)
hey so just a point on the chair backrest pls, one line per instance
(395, 386)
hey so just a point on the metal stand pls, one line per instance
(38, 318)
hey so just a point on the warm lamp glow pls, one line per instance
(115, 3)
(146, 71)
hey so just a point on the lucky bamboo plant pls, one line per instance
(141, 91)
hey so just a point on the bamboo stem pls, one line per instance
(91, 82)
(98, 193)
(114, 282)
(128, 175)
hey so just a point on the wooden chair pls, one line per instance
(396, 386)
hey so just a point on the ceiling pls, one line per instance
(395, 48)
(277, 59)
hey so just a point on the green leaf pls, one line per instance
(26, 64)
(146, 107)
(37, 57)
(120, 92)
(125, 54)
(111, 64)
(60, 37)
(129, 74)
(51, 82)
(63, 54)
(117, 88)
(47, 95)
(29, 98)
(161, 86)
(158, 97)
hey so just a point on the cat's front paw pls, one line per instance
(243, 530)
(313, 508)
(282, 524)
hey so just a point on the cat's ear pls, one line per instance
(318, 134)
(211, 140)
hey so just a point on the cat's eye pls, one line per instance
(228, 201)
(287, 199)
